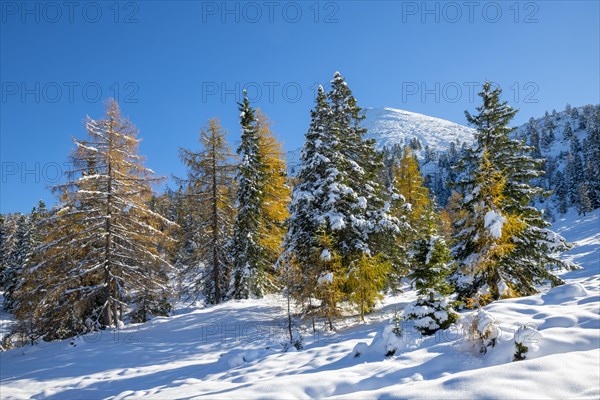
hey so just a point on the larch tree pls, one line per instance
(209, 195)
(528, 249)
(367, 277)
(276, 192)
(103, 247)
(408, 182)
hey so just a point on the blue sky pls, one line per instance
(174, 65)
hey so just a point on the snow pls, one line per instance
(494, 223)
(234, 350)
(326, 278)
(390, 126)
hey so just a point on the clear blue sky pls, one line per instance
(174, 65)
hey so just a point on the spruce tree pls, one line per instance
(339, 211)
(534, 137)
(567, 132)
(210, 204)
(249, 257)
(303, 239)
(585, 204)
(548, 132)
(8, 248)
(517, 250)
(431, 259)
(561, 193)
(592, 163)
(28, 237)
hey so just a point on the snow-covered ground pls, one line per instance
(233, 351)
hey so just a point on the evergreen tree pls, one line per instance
(561, 193)
(3, 237)
(511, 248)
(209, 202)
(573, 178)
(575, 117)
(548, 132)
(567, 132)
(431, 259)
(534, 137)
(8, 249)
(28, 238)
(102, 246)
(249, 256)
(585, 205)
(592, 164)
(304, 236)
(339, 211)
(431, 267)
(568, 109)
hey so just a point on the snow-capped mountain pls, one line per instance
(557, 137)
(390, 126)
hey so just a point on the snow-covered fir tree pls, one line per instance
(249, 277)
(339, 210)
(8, 247)
(301, 256)
(431, 265)
(27, 238)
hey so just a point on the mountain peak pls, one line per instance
(390, 126)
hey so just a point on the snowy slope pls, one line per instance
(390, 126)
(232, 351)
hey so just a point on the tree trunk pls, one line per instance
(215, 227)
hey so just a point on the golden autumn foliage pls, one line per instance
(367, 277)
(276, 190)
(493, 247)
(408, 182)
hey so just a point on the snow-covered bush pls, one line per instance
(526, 338)
(297, 341)
(480, 331)
(429, 315)
(360, 349)
(387, 343)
